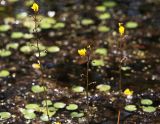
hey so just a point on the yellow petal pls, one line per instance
(36, 66)
(128, 92)
(82, 52)
(121, 29)
(35, 7)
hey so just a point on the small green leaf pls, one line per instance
(28, 113)
(109, 4)
(87, 21)
(26, 49)
(44, 117)
(46, 102)
(4, 115)
(103, 87)
(77, 115)
(38, 89)
(4, 73)
(131, 25)
(72, 107)
(5, 53)
(146, 102)
(97, 62)
(130, 108)
(53, 49)
(101, 51)
(148, 109)
(12, 46)
(59, 25)
(101, 8)
(59, 105)
(32, 106)
(103, 28)
(16, 35)
(77, 89)
(104, 16)
(4, 28)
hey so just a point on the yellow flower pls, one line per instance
(57, 122)
(128, 92)
(36, 66)
(82, 52)
(35, 7)
(121, 29)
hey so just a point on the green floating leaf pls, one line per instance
(48, 20)
(101, 51)
(97, 62)
(5, 53)
(104, 16)
(45, 26)
(4, 73)
(101, 8)
(103, 87)
(87, 22)
(4, 115)
(77, 115)
(130, 108)
(28, 113)
(146, 102)
(148, 109)
(42, 54)
(38, 89)
(71, 107)
(26, 49)
(12, 1)
(44, 117)
(12, 46)
(59, 25)
(16, 35)
(125, 68)
(131, 25)
(35, 107)
(77, 89)
(59, 105)
(46, 102)
(53, 49)
(21, 15)
(103, 28)
(109, 4)
(28, 36)
(4, 28)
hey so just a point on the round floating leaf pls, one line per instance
(28, 36)
(21, 15)
(101, 51)
(12, 46)
(148, 109)
(5, 53)
(48, 20)
(16, 35)
(97, 62)
(33, 106)
(130, 108)
(42, 54)
(146, 102)
(125, 68)
(59, 105)
(53, 49)
(45, 26)
(87, 21)
(77, 115)
(4, 115)
(103, 28)
(59, 25)
(78, 89)
(72, 107)
(44, 117)
(28, 113)
(4, 28)
(38, 89)
(26, 49)
(109, 4)
(4, 73)
(101, 8)
(49, 102)
(104, 16)
(103, 87)
(131, 24)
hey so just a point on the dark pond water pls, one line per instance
(65, 68)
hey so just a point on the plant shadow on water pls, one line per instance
(66, 26)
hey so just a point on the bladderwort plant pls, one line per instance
(35, 8)
(86, 53)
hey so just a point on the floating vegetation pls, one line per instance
(104, 16)
(101, 8)
(72, 107)
(46, 102)
(146, 102)
(5, 53)
(44, 117)
(28, 36)
(109, 4)
(148, 109)
(59, 25)
(97, 62)
(32, 106)
(28, 113)
(16, 35)
(53, 49)
(4, 115)
(131, 25)
(130, 108)
(4, 73)
(101, 51)
(87, 22)
(26, 49)
(77, 115)
(103, 87)
(12, 46)
(38, 89)
(103, 28)
(4, 28)
(77, 89)
(59, 105)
